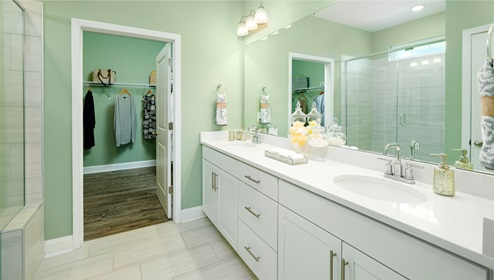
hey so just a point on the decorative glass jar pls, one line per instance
(298, 132)
(318, 143)
(335, 136)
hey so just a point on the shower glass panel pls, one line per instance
(11, 111)
(396, 97)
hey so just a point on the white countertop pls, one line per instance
(452, 223)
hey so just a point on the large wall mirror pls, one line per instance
(397, 74)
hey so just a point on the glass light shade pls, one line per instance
(242, 29)
(250, 23)
(261, 15)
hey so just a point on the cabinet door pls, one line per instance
(358, 266)
(209, 191)
(227, 189)
(305, 250)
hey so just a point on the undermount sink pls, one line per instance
(380, 189)
(242, 144)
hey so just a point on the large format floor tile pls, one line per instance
(167, 251)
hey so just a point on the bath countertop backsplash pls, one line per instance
(452, 223)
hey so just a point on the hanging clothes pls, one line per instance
(89, 120)
(149, 116)
(125, 119)
(320, 105)
(485, 81)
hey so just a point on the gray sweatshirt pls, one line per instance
(125, 119)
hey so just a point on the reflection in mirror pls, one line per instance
(396, 97)
(327, 36)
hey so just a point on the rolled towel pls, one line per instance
(265, 111)
(485, 81)
(221, 114)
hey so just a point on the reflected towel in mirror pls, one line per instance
(265, 111)
(221, 114)
(485, 81)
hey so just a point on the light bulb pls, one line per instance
(242, 29)
(250, 23)
(261, 15)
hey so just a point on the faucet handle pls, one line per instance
(408, 172)
(388, 167)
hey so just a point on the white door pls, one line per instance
(163, 139)
(478, 58)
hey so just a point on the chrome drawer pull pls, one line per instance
(248, 208)
(253, 180)
(254, 256)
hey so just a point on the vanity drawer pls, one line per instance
(260, 258)
(259, 213)
(221, 160)
(259, 180)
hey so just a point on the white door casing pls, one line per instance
(164, 134)
(78, 26)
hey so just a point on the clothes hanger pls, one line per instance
(149, 93)
(125, 91)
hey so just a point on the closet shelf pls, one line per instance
(91, 83)
(308, 88)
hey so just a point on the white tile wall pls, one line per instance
(11, 266)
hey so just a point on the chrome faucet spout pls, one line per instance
(397, 148)
(396, 170)
(414, 145)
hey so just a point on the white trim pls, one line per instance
(466, 83)
(119, 166)
(78, 26)
(191, 214)
(58, 246)
(328, 79)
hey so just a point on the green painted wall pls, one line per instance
(211, 54)
(133, 59)
(480, 13)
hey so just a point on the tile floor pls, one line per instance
(167, 251)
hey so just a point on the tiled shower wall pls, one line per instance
(399, 102)
(22, 241)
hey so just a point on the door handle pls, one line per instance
(331, 257)
(403, 119)
(344, 263)
(252, 254)
(478, 143)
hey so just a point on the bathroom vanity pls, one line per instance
(309, 221)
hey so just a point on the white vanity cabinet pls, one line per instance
(307, 251)
(219, 194)
(373, 250)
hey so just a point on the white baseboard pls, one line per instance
(118, 166)
(58, 246)
(191, 214)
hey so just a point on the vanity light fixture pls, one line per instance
(252, 20)
(418, 7)
(261, 15)
(425, 62)
(241, 28)
(413, 64)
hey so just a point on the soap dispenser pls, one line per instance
(444, 177)
(463, 162)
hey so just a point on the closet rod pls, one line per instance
(308, 88)
(90, 83)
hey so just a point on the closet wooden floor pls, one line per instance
(119, 201)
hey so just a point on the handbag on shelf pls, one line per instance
(106, 77)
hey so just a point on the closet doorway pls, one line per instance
(79, 27)
(311, 79)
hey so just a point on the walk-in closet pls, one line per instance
(119, 119)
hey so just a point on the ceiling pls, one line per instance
(372, 15)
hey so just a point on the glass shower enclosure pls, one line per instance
(11, 112)
(396, 97)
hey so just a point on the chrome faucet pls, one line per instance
(256, 139)
(396, 170)
(415, 145)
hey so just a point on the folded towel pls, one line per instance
(265, 111)
(485, 81)
(221, 116)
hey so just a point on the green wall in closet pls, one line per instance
(132, 59)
